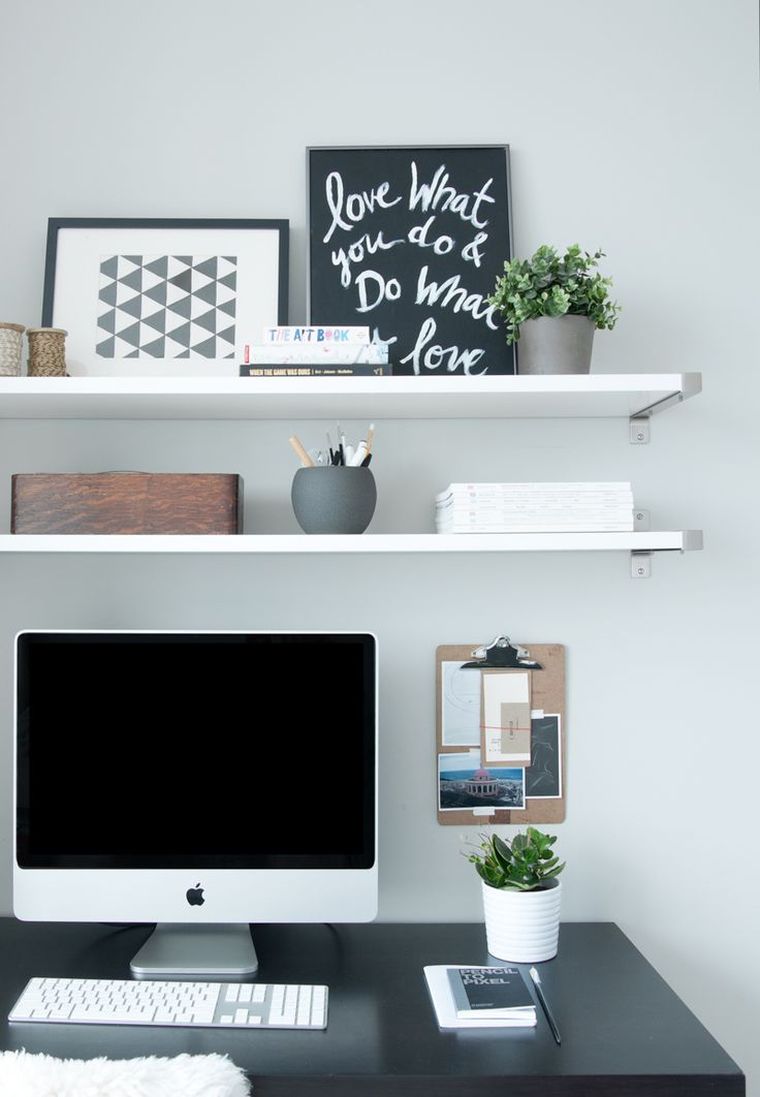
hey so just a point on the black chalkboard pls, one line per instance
(410, 241)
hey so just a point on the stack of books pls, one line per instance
(604, 507)
(480, 997)
(315, 352)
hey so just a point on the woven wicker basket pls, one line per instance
(47, 352)
(10, 349)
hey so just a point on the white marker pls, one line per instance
(361, 453)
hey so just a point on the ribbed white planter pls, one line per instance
(522, 926)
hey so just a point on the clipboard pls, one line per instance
(547, 686)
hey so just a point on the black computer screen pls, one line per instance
(172, 750)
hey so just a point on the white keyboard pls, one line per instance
(148, 1002)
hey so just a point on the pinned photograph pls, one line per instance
(464, 783)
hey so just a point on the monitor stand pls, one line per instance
(213, 952)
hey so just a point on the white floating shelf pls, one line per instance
(663, 541)
(491, 397)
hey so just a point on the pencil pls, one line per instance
(306, 461)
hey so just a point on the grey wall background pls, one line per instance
(632, 125)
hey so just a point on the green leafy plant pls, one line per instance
(526, 863)
(550, 284)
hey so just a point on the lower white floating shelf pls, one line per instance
(657, 541)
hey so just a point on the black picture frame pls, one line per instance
(430, 227)
(250, 254)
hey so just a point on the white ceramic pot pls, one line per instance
(522, 926)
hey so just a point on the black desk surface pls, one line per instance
(624, 1032)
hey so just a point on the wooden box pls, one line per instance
(127, 502)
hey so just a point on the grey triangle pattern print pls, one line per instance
(167, 306)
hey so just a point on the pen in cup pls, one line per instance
(358, 457)
(343, 454)
(306, 461)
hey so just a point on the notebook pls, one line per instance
(480, 997)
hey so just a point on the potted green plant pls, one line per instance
(521, 894)
(553, 304)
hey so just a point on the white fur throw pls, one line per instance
(26, 1075)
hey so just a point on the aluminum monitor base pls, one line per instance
(215, 952)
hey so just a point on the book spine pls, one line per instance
(560, 506)
(560, 502)
(294, 354)
(605, 510)
(533, 527)
(356, 369)
(332, 336)
(547, 485)
(537, 489)
(534, 521)
(538, 492)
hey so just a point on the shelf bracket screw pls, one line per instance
(639, 430)
(641, 565)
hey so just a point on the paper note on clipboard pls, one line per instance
(506, 713)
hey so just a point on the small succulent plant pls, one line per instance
(550, 284)
(526, 863)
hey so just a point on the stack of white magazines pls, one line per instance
(595, 507)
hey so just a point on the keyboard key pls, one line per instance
(303, 1017)
(318, 1002)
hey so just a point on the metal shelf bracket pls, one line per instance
(641, 565)
(639, 430)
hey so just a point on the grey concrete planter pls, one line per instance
(555, 344)
(333, 499)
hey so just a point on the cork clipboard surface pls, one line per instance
(547, 693)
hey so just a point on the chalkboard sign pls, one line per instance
(410, 241)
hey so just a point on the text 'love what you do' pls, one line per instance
(414, 251)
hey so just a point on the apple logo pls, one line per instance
(195, 896)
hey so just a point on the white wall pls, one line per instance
(632, 125)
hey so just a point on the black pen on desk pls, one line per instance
(545, 1005)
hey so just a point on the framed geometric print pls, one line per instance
(163, 297)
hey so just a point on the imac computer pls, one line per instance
(199, 780)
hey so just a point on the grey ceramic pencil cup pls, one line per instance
(333, 499)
